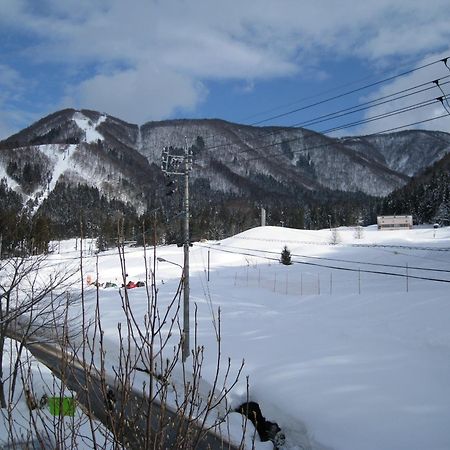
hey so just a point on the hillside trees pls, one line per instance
(28, 167)
(442, 215)
(426, 197)
(10, 207)
(20, 232)
(67, 206)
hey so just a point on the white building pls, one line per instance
(394, 222)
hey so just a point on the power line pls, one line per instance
(212, 137)
(384, 246)
(321, 258)
(307, 149)
(394, 112)
(445, 107)
(346, 269)
(326, 144)
(439, 85)
(370, 104)
(385, 80)
(349, 125)
(335, 115)
(336, 88)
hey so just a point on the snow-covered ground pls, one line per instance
(29, 421)
(346, 349)
(89, 128)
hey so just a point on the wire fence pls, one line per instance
(281, 280)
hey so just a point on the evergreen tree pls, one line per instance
(286, 256)
(442, 216)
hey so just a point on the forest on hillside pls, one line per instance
(82, 211)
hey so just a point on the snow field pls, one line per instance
(361, 363)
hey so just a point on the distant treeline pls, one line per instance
(79, 210)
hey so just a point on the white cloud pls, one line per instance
(426, 75)
(12, 89)
(5, 129)
(137, 95)
(168, 49)
(12, 120)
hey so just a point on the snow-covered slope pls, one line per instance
(407, 152)
(123, 159)
(76, 147)
(346, 349)
(290, 156)
(89, 128)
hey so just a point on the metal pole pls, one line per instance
(185, 349)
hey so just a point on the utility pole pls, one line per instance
(181, 165)
(185, 352)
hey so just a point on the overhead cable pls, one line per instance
(369, 104)
(211, 137)
(347, 261)
(346, 269)
(376, 102)
(307, 149)
(436, 82)
(376, 83)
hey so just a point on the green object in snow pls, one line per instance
(61, 406)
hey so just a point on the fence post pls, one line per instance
(331, 283)
(301, 283)
(318, 283)
(359, 281)
(407, 278)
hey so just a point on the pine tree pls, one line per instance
(286, 257)
(442, 216)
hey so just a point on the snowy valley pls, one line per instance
(347, 348)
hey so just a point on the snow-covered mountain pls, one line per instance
(408, 152)
(123, 160)
(77, 148)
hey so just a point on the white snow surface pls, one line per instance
(89, 127)
(60, 157)
(9, 181)
(20, 425)
(340, 357)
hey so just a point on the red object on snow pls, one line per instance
(131, 285)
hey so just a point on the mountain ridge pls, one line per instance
(122, 160)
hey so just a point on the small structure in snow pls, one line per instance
(394, 222)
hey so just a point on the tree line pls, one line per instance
(79, 210)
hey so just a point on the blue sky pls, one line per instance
(239, 60)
